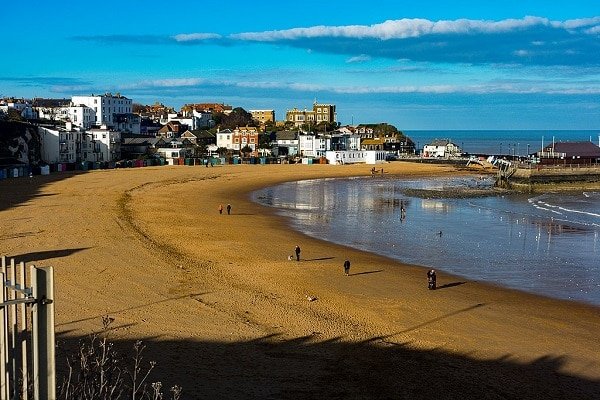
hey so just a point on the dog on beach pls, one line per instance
(290, 258)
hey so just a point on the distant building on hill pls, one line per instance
(263, 116)
(319, 113)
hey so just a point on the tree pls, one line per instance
(237, 117)
(246, 150)
(14, 115)
(199, 149)
(264, 140)
(222, 151)
(325, 126)
(138, 108)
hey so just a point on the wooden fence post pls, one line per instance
(22, 329)
(44, 374)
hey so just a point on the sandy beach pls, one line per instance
(226, 315)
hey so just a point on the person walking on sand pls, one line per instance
(431, 279)
(220, 208)
(297, 250)
(347, 267)
(228, 209)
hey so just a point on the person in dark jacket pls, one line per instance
(347, 267)
(431, 279)
(297, 250)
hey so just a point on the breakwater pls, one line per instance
(533, 177)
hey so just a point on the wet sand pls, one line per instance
(227, 315)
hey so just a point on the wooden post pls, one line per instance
(12, 326)
(22, 333)
(44, 374)
(3, 341)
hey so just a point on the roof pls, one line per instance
(581, 149)
(439, 142)
(203, 134)
(376, 140)
(51, 102)
(138, 141)
(286, 135)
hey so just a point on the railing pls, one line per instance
(27, 366)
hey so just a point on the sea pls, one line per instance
(547, 244)
(503, 142)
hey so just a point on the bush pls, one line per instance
(97, 371)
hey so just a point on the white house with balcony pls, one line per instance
(106, 143)
(60, 145)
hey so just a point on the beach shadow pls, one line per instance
(317, 259)
(449, 285)
(366, 272)
(273, 367)
(45, 255)
(17, 192)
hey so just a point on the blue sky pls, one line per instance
(417, 65)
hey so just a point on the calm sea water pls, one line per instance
(547, 244)
(503, 142)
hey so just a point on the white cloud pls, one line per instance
(192, 37)
(412, 28)
(165, 83)
(358, 59)
(524, 87)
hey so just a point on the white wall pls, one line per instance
(49, 145)
(355, 157)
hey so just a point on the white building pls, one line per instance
(441, 148)
(355, 156)
(81, 115)
(105, 106)
(311, 145)
(225, 138)
(106, 143)
(194, 119)
(61, 145)
(171, 154)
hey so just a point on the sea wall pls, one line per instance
(570, 176)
